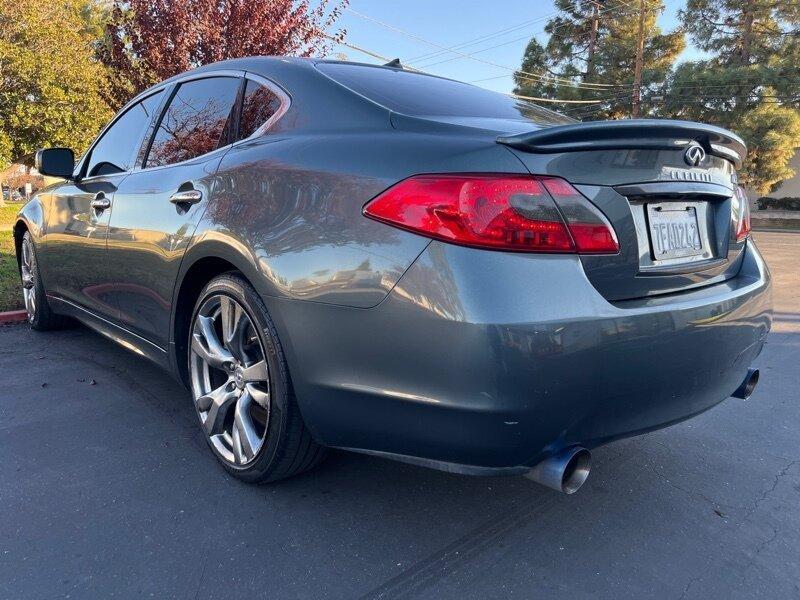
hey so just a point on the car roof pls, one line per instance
(269, 66)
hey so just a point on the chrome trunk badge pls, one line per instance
(694, 155)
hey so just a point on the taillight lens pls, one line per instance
(501, 212)
(590, 229)
(743, 215)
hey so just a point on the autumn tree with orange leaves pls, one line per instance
(147, 41)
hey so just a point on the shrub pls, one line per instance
(767, 203)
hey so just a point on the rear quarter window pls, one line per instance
(259, 105)
(420, 95)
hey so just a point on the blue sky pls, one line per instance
(451, 22)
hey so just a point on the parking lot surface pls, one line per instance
(107, 489)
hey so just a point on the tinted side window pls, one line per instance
(418, 94)
(197, 121)
(259, 105)
(116, 150)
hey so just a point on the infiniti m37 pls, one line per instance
(338, 255)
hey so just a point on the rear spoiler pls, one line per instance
(645, 134)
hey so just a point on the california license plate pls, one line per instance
(673, 231)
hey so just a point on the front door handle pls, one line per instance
(100, 202)
(186, 197)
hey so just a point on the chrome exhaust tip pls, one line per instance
(745, 390)
(565, 472)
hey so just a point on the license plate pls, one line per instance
(673, 231)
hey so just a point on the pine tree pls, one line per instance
(595, 42)
(751, 84)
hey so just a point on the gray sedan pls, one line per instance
(332, 254)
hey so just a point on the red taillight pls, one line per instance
(590, 229)
(742, 215)
(502, 212)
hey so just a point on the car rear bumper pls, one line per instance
(484, 361)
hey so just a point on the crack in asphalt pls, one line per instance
(764, 544)
(689, 584)
(715, 503)
(202, 576)
(764, 495)
(711, 501)
(780, 475)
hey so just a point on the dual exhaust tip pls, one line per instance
(568, 470)
(745, 390)
(564, 472)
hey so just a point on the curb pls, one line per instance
(13, 316)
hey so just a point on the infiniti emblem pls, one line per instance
(694, 155)
(238, 377)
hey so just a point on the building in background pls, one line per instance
(20, 180)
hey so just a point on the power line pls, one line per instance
(616, 97)
(484, 38)
(604, 11)
(583, 112)
(774, 98)
(357, 48)
(473, 41)
(550, 78)
(386, 59)
(557, 100)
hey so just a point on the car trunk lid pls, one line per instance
(668, 188)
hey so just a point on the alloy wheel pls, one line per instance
(28, 272)
(230, 379)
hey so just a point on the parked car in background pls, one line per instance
(332, 254)
(12, 195)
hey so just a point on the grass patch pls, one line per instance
(7, 214)
(10, 288)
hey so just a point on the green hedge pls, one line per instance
(767, 203)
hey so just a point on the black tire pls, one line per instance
(288, 448)
(40, 316)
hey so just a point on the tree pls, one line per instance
(774, 132)
(49, 81)
(741, 31)
(751, 84)
(593, 45)
(535, 60)
(150, 40)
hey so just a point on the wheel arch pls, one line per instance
(29, 219)
(18, 232)
(203, 262)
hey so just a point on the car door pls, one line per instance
(74, 245)
(157, 206)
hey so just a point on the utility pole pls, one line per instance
(744, 55)
(592, 49)
(747, 32)
(636, 105)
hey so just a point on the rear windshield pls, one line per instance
(420, 95)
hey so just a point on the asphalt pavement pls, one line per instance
(107, 489)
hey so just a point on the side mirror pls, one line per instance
(56, 162)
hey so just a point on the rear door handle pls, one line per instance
(186, 197)
(100, 202)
